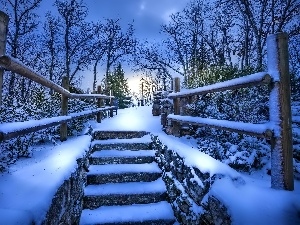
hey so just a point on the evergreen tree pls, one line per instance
(118, 85)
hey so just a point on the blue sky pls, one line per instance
(146, 15)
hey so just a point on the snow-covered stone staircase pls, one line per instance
(124, 184)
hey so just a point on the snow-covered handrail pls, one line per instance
(14, 65)
(259, 130)
(241, 82)
(15, 129)
(278, 129)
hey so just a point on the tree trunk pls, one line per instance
(95, 75)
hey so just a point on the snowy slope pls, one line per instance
(26, 193)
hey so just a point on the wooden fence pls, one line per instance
(11, 130)
(278, 129)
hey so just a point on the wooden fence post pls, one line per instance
(111, 112)
(99, 104)
(64, 110)
(176, 102)
(280, 113)
(4, 19)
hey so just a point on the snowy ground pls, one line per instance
(26, 190)
(251, 203)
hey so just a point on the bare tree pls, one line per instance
(52, 57)
(77, 36)
(184, 51)
(22, 39)
(153, 58)
(98, 50)
(268, 16)
(117, 44)
(185, 39)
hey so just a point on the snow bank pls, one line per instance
(248, 198)
(26, 191)
(255, 203)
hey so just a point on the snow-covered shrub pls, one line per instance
(39, 105)
(76, 105)
(248, 105)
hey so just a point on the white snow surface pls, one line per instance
(144, 139)
(193, 157)
(257, 203)
(27, 190)
(157, 186)
(16, 126)
(136, 213)
(123, 153)
(272, 55)
(132, 119)
(124, 168)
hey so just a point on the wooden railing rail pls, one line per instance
(278, 129)
(12, 130)
(264, 130)
(256, 79)
(13, 65)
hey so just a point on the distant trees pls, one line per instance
(64, 45)
(153, 61)
(185, 42)
(112, 45)
(118, 85)
(219, 34)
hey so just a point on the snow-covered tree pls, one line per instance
(118, 85)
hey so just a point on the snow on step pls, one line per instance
(127, 213)
(124, 168)
(157, 186)
(144, 139)
(123, 153)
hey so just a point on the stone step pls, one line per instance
(122, 157)
(116, 173)
(124, 193)
(121, 144)
(154, 213)
(104, 134)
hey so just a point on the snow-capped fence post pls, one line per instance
(111, 103)
(280, 113)
(64, 109)
(99, 104)
(4, 19)
(176, 102)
